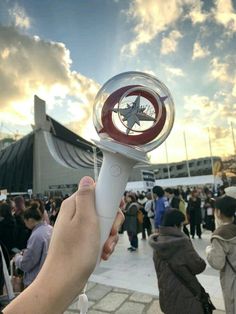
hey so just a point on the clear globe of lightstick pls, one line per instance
(134, 109)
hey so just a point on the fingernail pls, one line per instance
(86, 181)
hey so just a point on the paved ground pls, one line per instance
(126, 284)
(106, 299)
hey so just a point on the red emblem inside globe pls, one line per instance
(133, 115)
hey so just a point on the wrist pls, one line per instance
(62, 287)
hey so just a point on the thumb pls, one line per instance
(85, 199)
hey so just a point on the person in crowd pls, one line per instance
(7, 237)
(182, 208)
(209, 205)
(221, 191)
(43, 211)
(149, 208)
(161, 204)
(22, 232)
(146, 225)
(221, 254)
(194, 213)
(131, 224)
(122, 208)
(33, 257)
(71, 258)
(172, 198)
(7, 228)
(177, 264)
(56, 205)
(48, 204)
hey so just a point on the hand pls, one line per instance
(72, 255)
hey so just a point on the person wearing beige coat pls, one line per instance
(221, 254)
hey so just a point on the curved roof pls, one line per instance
(16, 165)
(66, 147)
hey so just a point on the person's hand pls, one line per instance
(74, 246)
(72, 255)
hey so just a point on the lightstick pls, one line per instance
(133, 114)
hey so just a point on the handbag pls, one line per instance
(207, 305)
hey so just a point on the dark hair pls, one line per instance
(226, 205)
(173, 217)
(19, 201)
(58, 202)
(169, 190)
(5, 210)
(132, 196)
(158, 190)
(33, 212)
(41, 206)
(176, 192)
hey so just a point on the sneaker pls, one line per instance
(129, 248)
(133, 249)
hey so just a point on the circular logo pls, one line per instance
(133, 115)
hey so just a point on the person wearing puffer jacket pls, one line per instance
(177, 264)
(221, 254)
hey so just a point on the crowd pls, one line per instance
(144, 211)
(166, 216)
(169, 217)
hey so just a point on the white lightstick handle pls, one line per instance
(110, 187)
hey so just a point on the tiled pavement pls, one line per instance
(106, 299)
(126, 284)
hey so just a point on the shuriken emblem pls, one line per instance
(133, 114)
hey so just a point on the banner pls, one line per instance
(149, 178)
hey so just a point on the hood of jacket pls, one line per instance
(225, 233)
(168, 242)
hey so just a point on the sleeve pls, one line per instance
(31, 255)
(148, 206)
(193, 261)
(215, 255)
(159, 212)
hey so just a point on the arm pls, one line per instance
(159, 213)
(216, 255)
(31, 255)
(193, 261)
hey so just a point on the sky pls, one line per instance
(64, 51)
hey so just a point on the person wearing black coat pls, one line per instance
(22, 232)
(177, 264)
(194, 214)
(7, 228)
(172, 198)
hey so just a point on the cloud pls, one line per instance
(224, 72)
(225, 14)
(199, 52)
(175, 71)
(151, 18)
(202, 113)
(196, 13)
(169, 44)
(19, 17)
(30, 65)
